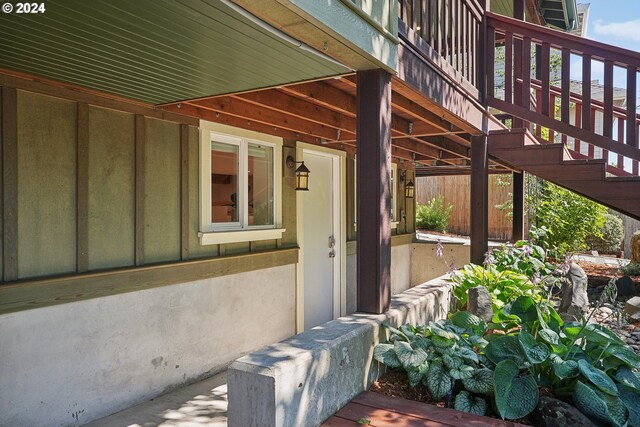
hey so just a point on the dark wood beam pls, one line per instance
(9, 166)
(518, 207)
(374, 192)
(479, 199)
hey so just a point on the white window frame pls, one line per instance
(217, 233)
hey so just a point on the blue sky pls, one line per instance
(615, 22)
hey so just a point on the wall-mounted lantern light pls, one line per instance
(302, 174)
(408, 190)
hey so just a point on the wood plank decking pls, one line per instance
(383, 410)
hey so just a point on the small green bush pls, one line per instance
(612, 235)
(434, 215)
(631, 269)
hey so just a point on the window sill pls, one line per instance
(218, 237)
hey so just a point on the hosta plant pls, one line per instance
(443, 356)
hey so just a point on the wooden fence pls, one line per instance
(455, 190)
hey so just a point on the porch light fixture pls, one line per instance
(302, 174)
(302, 177)
(408, 190)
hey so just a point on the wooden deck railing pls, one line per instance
(533, 91)
(448, 33)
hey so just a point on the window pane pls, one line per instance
(260, 185)
(224, 182)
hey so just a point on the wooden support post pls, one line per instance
(373, 133)
(9, 183)
(518, 207)
(479, 198)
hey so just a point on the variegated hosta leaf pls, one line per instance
(632, 400)
(385, 354)
(624, 353)
(549, 336)
(417, 375)
(409, 357)
(438, 381)
(468, 354)
(441, 332)
(461, 373)
(452, 362)
(564, 368)
(467, 403)
(516, 396)
(481, 381)
(439, 341)
(469, 321)
(604, 407)
(626, 376)
(534, 351)
(597, 377)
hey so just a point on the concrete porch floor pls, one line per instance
(203, 404)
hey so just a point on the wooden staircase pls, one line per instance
(520, 150)
(603, 163)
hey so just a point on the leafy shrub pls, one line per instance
(568, 217)
(631, 269)
(434, 215)
(523, 257)
(612, 233)
(441, 354)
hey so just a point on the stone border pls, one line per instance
(305, 379)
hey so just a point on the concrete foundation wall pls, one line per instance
(305, 379)
(400, 273)
(68, 364)
(426, 266)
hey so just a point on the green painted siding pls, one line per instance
(46, 185)
(111, 189)
(162, 191)
(156, 51)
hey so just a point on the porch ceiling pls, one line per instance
(324, 113)
(155, 51)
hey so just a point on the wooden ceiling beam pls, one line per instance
(246, 110)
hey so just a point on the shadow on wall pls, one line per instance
(305, 379)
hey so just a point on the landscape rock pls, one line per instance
(552, 412)
(626, 287)
(479, 303)
(632, 306)
(575, 300)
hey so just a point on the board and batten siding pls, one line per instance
(87, 188)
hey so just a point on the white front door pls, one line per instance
(321, 220)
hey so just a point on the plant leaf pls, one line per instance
(385, 354)
(593, 333)
(597, 377)
(439, 341)
(507, 347)
(416, 375)
(516, 396)
(461, 373)
(624, 353)
(452, 362)
(626, 376)
(481, 381)
(632, 401)
(469, 322)
(467, 403)
(534, 351)
(564, 368)
(602, 406)
(524, 307)
(549, 336)
(409, 357)
(438, 381)
(468, 354)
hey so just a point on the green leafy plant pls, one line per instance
(568, 217)
(631, 269)
(434, 215)
(612, 234)
(442, 356)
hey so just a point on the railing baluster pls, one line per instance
(621, 140)
(474, 49)
(607, 123)
(414, 15)
(632, 126)
(491, 61)
(578, 124)
(424, 21)
(551, 105)
(545, 58)
(458, 32)
(566, 84)
(586, 92)
(508, 67)
(432, 24)
(403, 10)
(465, 44)
(526, 72)
(439, 26)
